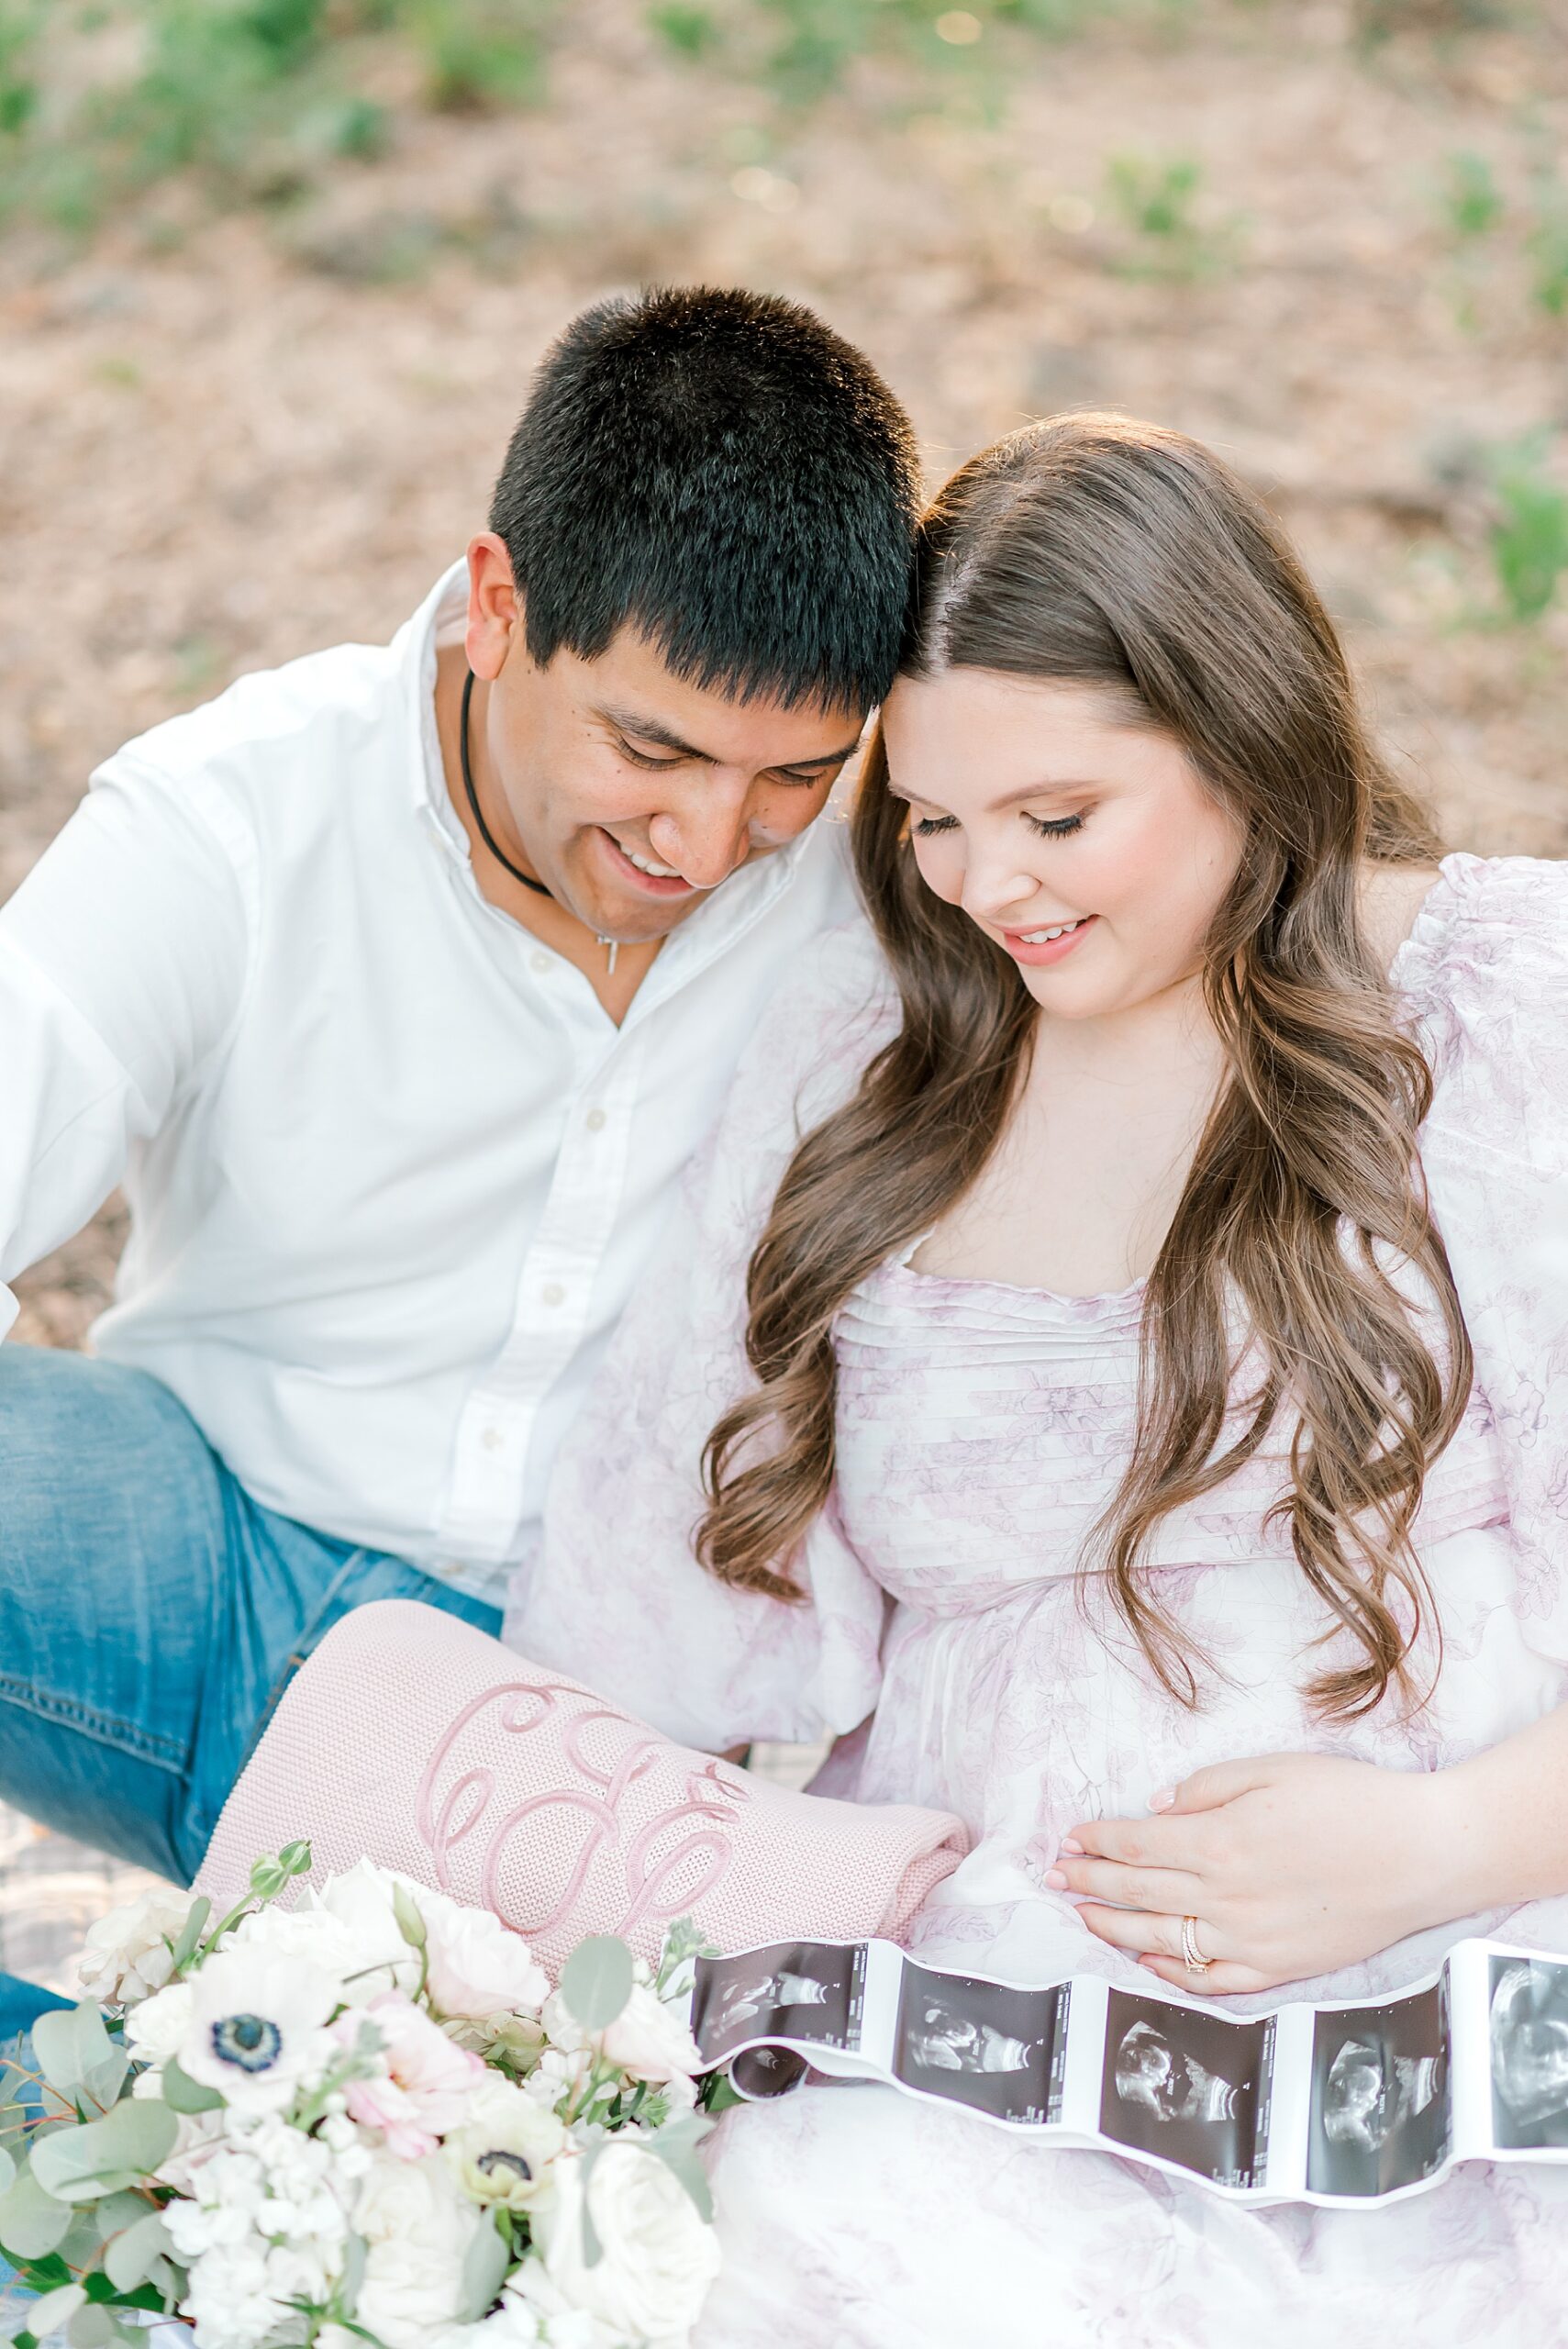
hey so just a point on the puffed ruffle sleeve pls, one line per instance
(1487, 973)
(614, 1594)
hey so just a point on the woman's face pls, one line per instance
(1086, 847)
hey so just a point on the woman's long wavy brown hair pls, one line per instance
(1112, 554)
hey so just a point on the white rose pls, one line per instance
(478, 1967)
(361, 1901)
(129, 1953)
(309, 1933)
(153, 2030)
(650, 2040)
(418, 2227)
(659, 2258)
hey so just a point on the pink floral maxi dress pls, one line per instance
(981, 1430)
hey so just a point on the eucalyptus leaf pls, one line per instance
(7, 2169)
(356, 2253)
(191, 1934)
(31, 2221)
(78, 2247)
(128, 2259)
(166, 2282)
(681, 2161)
(92, 2328)
(56, 2309)
(181, 2093)
(76, 2055)
(484, 2271)
(592, 2249)
(596, 1981)
(119, 2210)
(79, 2165)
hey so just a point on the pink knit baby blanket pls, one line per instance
(414, 1740)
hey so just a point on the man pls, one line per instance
(398, 986)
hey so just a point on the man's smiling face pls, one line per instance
(632, 793)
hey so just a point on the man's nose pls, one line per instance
(706, 837)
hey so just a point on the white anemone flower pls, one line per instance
(257, 2030)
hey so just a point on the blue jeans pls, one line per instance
(151, 1613)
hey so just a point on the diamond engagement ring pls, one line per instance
(1192, 1957)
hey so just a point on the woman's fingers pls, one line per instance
(1143, 1932)
(1168, 1889)
(1223, 1979)
(1137, 1843)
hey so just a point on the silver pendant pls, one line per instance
(612, 948)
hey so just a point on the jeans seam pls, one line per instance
(301, 1649)
(106, 1729)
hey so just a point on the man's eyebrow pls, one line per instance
(653, 729)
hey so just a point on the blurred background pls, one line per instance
(274, 273)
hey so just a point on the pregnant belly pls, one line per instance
(1032, 1713)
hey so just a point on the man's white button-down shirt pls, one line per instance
(393, 1169)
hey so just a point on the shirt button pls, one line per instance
(553, 1293)
(539, 963)
(493, 1438)
(595, 1119)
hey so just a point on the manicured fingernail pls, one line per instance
(1056, 1880)
(1070, 1845)
(1163, 1799)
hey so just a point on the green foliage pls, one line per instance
(247, 97)
(1528, 540)
(78, 2058)
(104, 2157)
(479, 55)
(1472, 202)
(1159, 204)
(690, 32)
(20, 22)
(802, 51)
(596, 1981)
(1547, 247)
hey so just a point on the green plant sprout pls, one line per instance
(1529, 538)
(1472, 202)
(1158, 204)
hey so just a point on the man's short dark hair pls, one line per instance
(722, 471)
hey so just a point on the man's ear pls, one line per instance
(495, 607)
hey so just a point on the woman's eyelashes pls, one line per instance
(1055, 828)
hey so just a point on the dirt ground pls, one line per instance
(232, 438)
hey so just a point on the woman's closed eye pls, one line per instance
(1053, 828)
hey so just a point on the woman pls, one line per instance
(1146, 1403)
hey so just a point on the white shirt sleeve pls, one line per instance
(123, 959)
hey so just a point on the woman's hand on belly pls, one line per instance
(1292, 1865)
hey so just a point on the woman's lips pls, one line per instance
(1054, 949)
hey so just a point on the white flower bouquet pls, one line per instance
(366, 2120)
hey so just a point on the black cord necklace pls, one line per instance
(610, 945)
(486, 834)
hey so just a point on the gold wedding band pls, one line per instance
(1192, 1957)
